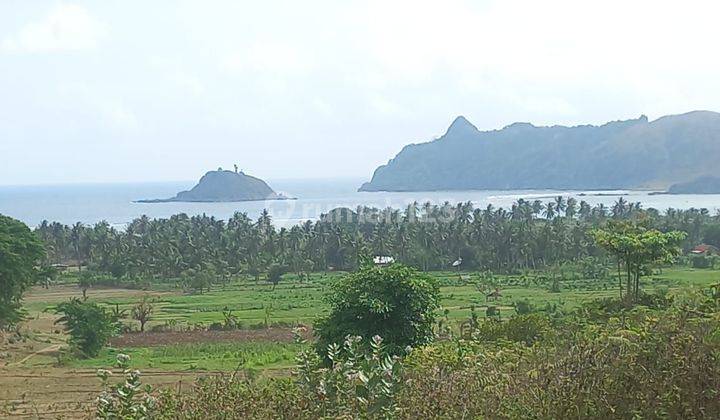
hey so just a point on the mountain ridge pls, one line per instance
(635, 153)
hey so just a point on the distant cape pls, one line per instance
(703, 185)
(631, 154)
(224, 186)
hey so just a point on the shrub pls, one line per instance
(644, 364)
(521, 328)
(523, 307)
(648, 365)
(701, 261)
(396, 302)
(89, 325)
(125, 399)
(360, 382)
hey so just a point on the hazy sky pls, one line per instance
(94, 91)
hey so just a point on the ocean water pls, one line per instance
(114, 203)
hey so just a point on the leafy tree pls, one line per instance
(397, 303)
(86, 280)
(89, 325)
(637, 247)
(198, 280)
(20, 254)
(275, 273)
(142, 311)
(712, 234)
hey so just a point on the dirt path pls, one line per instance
(49, 349)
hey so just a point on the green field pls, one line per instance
(200, 356)
(40, 364)
(294, 302)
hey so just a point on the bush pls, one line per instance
(89, 325)
(361, 382)
(645, 364)
(124, 400)
(648, 365)
(524, 307)
(701, 261)
(396, 302)
(522, 328)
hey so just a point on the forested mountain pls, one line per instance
(621, 154)
(220, 185)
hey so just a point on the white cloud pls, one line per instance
(102, 106)
(66, 28)
(269, 56)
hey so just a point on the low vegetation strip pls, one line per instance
(153, 339)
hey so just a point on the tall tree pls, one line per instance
(21, 253)
(637, 247)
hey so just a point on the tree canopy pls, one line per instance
(21, 253)
(397, 303)
(637, 247)
(90, 326)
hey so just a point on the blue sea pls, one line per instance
(114, 203)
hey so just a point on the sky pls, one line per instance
(131, 90)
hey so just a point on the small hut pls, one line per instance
(382, 261)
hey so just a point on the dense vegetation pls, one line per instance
(202, 249)
(644, 362)
(396, 303)
(385, 348)
(20, 255)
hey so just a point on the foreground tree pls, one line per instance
(396, 303)
(20, 255)
(89, 325)
(636, 248)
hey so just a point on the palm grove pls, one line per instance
(200, 250)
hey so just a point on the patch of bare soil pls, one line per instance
(64, 292)
(152, 339)
(52, 393)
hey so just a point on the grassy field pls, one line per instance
(35, 366)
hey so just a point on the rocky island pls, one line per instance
(224, 186)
